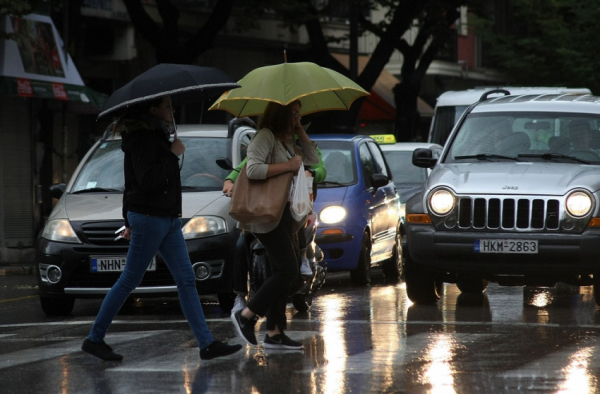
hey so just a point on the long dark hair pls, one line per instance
(136, 111)
(277, 117)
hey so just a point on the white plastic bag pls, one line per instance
(301, 204)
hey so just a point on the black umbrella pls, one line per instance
(185, 83)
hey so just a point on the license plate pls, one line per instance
(114, 264)
(504, 246)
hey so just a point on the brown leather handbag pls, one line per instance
(260, 201)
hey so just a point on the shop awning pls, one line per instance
(35, 64)
(380, 105)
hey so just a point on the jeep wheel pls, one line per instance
(57, 306)
(392, 268)
(361, 275)
(421, 286)
(302, 302)
(226, 301)
(471, 284)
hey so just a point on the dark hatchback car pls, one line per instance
(77, 255)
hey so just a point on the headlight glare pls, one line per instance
(204, 226)
(441, 201)
(333, 214)
(579, 204)
(60, 230)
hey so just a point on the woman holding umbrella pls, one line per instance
(152, 208)
(277, 128)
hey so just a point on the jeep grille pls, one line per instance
(505, 213)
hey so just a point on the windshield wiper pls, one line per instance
(331, 183)
(552, 156)
(486, 156)
(183, 187)
(95, 190)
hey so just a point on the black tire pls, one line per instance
(471, 284)
(361, 275)
(302, 302)
(226, 301)
(597, 288)
(392, 267)
(57, 306)
(422, 288)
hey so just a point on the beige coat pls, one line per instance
(259, 157)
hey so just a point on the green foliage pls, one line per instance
(551, 43)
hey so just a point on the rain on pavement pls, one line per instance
(357, 339)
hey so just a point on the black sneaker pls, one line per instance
(281, 341)
(245, 327)
(218, 349)
(100, 350)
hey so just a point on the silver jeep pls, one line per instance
(513, 199)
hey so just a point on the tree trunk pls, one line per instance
(407, 115)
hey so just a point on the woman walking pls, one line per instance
(277, 128)
(152, 211)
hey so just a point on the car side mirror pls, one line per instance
(58, 190)
(423, 158)
(225, 163)
(379, 180)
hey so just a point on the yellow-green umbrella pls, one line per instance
(318, 89)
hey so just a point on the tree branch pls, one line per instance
(144, 25)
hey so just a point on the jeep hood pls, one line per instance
(541, 178)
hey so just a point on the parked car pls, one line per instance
(408, 178)
(77, 255)
(357, 207)
(514, 199)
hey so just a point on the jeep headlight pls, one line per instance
(60, 230)
(333, 214)
(579, 204)
(441, 201)
(204, 226)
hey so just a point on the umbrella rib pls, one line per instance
(229, 85)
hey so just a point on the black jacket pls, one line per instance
(152, 182)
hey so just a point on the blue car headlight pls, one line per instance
(333, 214)
(204, 226)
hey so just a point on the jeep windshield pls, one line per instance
(527, 137)
(103, 170)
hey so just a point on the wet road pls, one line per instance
(357, 339)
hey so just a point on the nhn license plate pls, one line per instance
(114, 264)
(504, 246)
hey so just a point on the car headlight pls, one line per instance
(441, 201)
(333, 214)
(579, 204)
(60, 230)
(204, 226)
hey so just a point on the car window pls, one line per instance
(368, 164)
(103, 169)
(402, 168)
(339, 162)
(527, 135)
(200, 169)
(200, 172)
(379, 160)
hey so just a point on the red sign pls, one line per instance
(24, 88)
(59, 91)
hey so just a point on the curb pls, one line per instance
(17, 270)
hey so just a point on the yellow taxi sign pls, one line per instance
(384, 138)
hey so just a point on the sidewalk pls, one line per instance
(17, 269)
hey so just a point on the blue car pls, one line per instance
(358, 208)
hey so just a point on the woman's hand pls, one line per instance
(126, 233)
(295, 163)
(177, 147)
(227, 188)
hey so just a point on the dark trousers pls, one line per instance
(241, 263)
(281, 245)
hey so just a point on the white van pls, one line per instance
(452, 104)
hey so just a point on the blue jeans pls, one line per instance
(150, 234)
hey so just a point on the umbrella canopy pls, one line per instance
(318, 89)
(183, 82)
